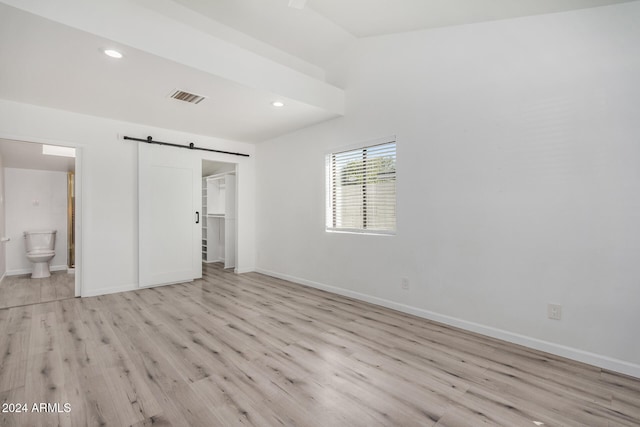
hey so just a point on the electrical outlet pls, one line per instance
(405, 284)
(554, 311)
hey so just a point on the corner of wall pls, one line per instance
(3, 251)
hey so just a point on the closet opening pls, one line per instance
(219, 201)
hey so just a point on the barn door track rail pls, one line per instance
(191, 146)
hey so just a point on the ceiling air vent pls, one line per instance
(181, 95)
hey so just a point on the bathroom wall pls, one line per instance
(34, 200)
(3, 264)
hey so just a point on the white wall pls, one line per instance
(109, 187)
(3, 251)
(518, 182)
(34, 200)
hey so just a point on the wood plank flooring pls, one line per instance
(250, 350)
(23, 290)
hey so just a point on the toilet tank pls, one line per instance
(40, 240)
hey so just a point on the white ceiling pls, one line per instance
(364, 18)
(303, 33)
(49, 64)
(211, 168)
(26, 155)
(240, 54)
(324, 27)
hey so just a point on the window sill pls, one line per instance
(361, 232)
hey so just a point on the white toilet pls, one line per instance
(40, 250)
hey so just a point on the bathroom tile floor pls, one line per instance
(22, 290)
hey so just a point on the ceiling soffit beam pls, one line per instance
(134, 23)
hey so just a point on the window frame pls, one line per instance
(330, 194)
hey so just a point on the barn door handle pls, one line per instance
(197, 217)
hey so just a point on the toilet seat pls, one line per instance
(41, 252)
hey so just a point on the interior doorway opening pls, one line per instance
(36, 201)
(219, 207)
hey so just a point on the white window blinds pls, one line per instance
(361, 190)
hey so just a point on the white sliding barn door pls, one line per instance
(170, 229)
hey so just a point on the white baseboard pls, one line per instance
(106, 291)
(598, 360)
(29, 270)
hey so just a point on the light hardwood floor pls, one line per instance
(23, 290)
(253, 350)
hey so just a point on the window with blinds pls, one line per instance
(361, 190)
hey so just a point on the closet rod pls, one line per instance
(191, 146)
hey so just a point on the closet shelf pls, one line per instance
(218, 207)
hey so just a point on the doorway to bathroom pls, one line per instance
(37, 223)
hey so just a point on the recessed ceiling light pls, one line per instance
(113, 53)
(277, 104)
